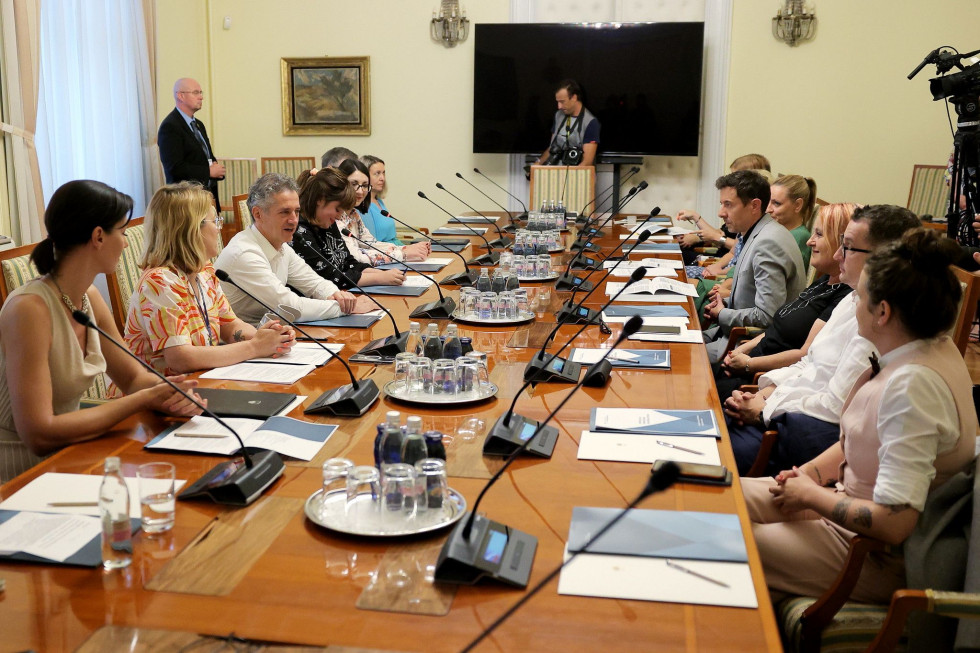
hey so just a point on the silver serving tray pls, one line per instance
(367, 520)
(527, 316)
(550, 277)
(438, 400)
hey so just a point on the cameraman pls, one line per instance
(575, 134)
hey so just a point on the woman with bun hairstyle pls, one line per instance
(47, 359)
(792, 203)
(381, 226)
(908, 425)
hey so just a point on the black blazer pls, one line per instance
(181, 153)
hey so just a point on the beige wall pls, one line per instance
(840, 108)
(421, 92)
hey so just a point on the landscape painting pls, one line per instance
(327, 95)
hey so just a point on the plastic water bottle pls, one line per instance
(433, 346)
(413, 446)
(499, 282)
(117, 533)
(391, 445)
(452, 347)
(434, 445)
(466, 346)
(560, 215)
(483, 284)
(414, 343)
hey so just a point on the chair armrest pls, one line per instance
(765, 452)
(749, 388)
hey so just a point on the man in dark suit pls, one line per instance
(185, 150)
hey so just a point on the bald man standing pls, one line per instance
(185, 150)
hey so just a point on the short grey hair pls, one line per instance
(268, 186)
(335, 156)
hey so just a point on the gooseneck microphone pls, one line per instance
(350, 400)
(597, 231)
(500, 241)
(479, 546)
(488, 259)
(438, 310)
(467, 278)
(608, 189)
(244, 485)
(522, 216)
(511, 227)
(659, 480)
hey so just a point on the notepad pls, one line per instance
(303, 353)
(634, 448)
(285, 435)
(654, 422)
(625, 358)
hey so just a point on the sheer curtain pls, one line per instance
(92, 65)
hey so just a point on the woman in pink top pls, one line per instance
(908, 425)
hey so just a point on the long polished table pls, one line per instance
(267, 574)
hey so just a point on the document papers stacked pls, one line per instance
(414, 286)
(643, 435)
(674, 264)
(359, 321)
(302, 359)
(653, 290)
(285, 435)
(636, 359)
(459, 231)
(659, 555)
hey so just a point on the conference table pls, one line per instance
(268, 575)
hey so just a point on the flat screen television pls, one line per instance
(641, 80)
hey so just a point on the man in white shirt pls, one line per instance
(258, 260)
(803, 402)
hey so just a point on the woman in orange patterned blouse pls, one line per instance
(178, 312)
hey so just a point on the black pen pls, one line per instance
(691, 572)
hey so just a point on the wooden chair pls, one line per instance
(239, 175)
(576, 184)
(970, 282)
(928, 193)
(237, 222)
(17, 269)
(290, 166)
(122, 282)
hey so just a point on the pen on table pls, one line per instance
(674, 446)
(691, 572)
(73, 504)
(199, 435)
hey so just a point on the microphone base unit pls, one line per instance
(510, 228)
(388, 347)
(591, 233)
(569, 281)
(346, 401)
(597, 375)
(441, 309)
(584, 263)
(571, 313)
(228, 486)
(503, 243)
(560, 370)
(460, 279)
(489, 259)
(505, 437)
(492, 550)
(580, 245)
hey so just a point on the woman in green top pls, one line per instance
(792, 205)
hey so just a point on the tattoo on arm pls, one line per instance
(820, 480)
(863, 517)
(238, 336)
(897, 508)
(839, 514)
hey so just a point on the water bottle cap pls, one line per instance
(112, 463)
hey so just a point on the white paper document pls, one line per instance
(260, 372)
(53, 537)
(640, 227)
(658, 238)
(652, 287)
(287, 436)
(688, 336)
(647, 262)
(649, 320)
(626, 270)
(459, 231)
(52, 488)
(652, 422)
(653, 579)
(304, 353)
(635, 448)
(417, 281)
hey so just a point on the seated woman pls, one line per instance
(791, 204)
(381, 226)
(323, 197)
(178, 313)
(47, 359)
(798, 322)
(908, 425)
(357, 176)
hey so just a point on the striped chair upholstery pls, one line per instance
(575, 184)
(244, 215)
(123, 281)
(287, 165)
(928, 193)
(17, 269)
(239, 175)
(852, 629)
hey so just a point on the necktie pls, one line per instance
(875, 365)
(200, 139)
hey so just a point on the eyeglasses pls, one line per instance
(218, 220)
(192, 92)
(847, 249)
(357, 186)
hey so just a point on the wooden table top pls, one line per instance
(304, 587)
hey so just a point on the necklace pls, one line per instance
(86, 305)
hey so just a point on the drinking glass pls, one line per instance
(486, 307)
(468, 298)
(402, 360)
(433, 487)
(335, 473)
(156, 488)
(523, 306)
(444, 377)
(506, 306)
(399, 492)
(542, 267)
(420, 375)
(363, 492)
(484, 373)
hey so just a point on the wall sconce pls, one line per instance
(794, 23)
(450, 26)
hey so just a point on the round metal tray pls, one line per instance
(555, 250)
(433, 400)
(550, 277)
(367, 520)
(525, 317)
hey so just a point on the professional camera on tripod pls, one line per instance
(963, 91)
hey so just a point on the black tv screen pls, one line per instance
(641, 80)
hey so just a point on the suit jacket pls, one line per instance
(181, 153)
(768, 274)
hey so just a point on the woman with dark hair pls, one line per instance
(47, 359)
(358, 177)
(324, 196)
(908, 425)
(380, 225)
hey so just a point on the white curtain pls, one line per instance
(93, 72)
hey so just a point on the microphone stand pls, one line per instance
(608, 190)
(511, 227)
(488, 259)
(500, 241)
(578, 263)
(582, 245)
(350, 400)
(467, 278)
(464, 557)
(439, 310)
(522, 216)
(244, 484)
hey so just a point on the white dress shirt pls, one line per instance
(818, 383)
(254, 264)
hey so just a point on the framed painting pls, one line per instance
(326, 96)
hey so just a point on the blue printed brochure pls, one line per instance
(648, 421)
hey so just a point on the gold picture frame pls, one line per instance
(326, 96)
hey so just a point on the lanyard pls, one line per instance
(202, 308)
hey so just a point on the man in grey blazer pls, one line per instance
(770, 269)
